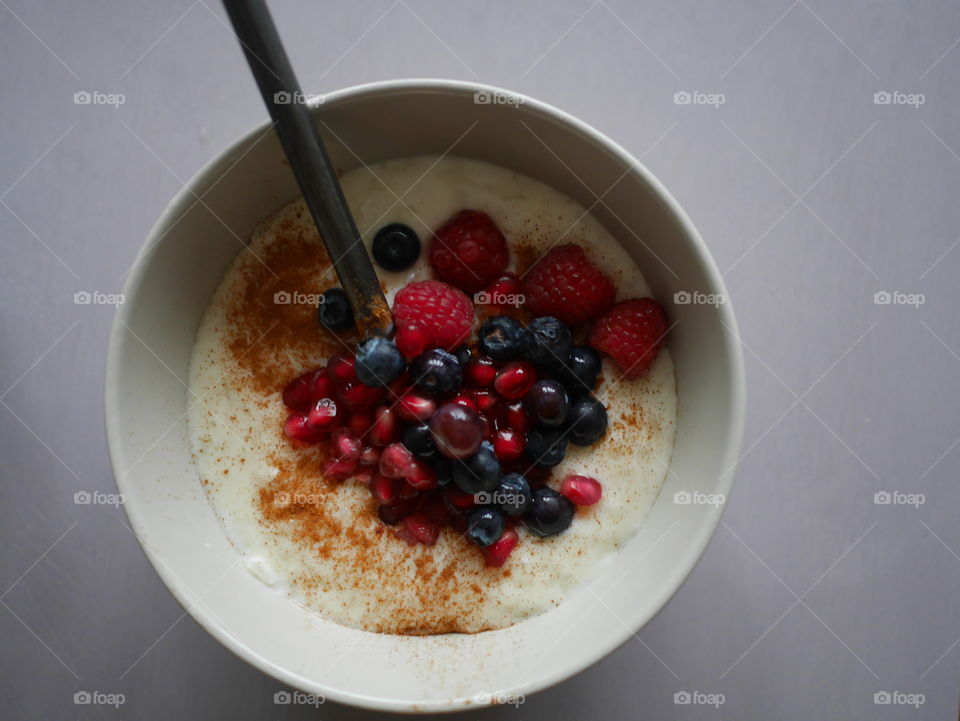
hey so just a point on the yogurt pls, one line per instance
(323, 543)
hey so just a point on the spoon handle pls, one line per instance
(309, 161)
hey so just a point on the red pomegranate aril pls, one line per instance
(513, 416)
(345, 446)
(415, 407)
(355, 396)
(340, 369)
(465, 399)
(298, 393)
(487, 427)
(383, 489)
(383, 432)
(486, 401)
(393, 513)
(436, 510)
(395, 460)
(457, 430)
(405, 490)
(420, 475)
(581, 490)
(505, 290)
(359, 422)
(480, 372)
(421, 528)
(412, 338)
(370, 456)
(508, 444)
(456, 500)
(297, 428)
(324, 415)
(515, 379)
(323, 387)
(338, 469)
(497, 552)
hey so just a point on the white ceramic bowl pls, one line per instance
(181, 265)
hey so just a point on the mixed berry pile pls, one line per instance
(451, 428)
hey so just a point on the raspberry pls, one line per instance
(445, 311)
(565, 284)
(632, 332)
(469, 251)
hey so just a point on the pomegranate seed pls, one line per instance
(340, 369)
(346, 446)
(405, 490)
(324, 415)
(480, 372)
(297, 428)
(508, 444)
(497, 552)
(359, 422)
(395, 460)
(355, 396)
(383, 489)
(487, 427)
(420, 475)
(505, 290)
(581, 490)
(416, 407)
(457, 501)
(323, 387)
(393, 513)
(513, 416)
(298, 393)
(436, 510)
(383, 432)
(338, 469)
(486, 400)
(412, 338)
(465, 399)
(370, 456)
(421, 528)
(514, 380)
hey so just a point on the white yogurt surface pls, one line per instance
(323, 544)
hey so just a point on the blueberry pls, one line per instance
(485, 526)
(500, 338)
(586, 421)
(462, 352)
(437, 372)
(396, 247)
(547, 403)
(419, 441)
(378, 361)
(546, 447)
(513, 494)
(550, 513)
(480, 473)
(579, 373)
(334, 312)
(546, 343)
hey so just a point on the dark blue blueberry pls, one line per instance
(513, 494)
(396, 247)
(586, 421)
(419, 441)
(549, 514)
(334, 312)
(462, 352)
(436, 372)
(579, 373)
(480, 473)
(546, 343)
(546, 447)
(547, 403)
(500, 338)
(485, 526)
(378, 362)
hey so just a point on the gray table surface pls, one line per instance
(815, 599)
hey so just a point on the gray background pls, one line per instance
(811, 598)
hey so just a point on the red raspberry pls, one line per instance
(565, 284)
(469, 251)
(632, 332)
(445, 311)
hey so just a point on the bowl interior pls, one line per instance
(147, 400)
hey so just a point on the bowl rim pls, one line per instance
(683, 566)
